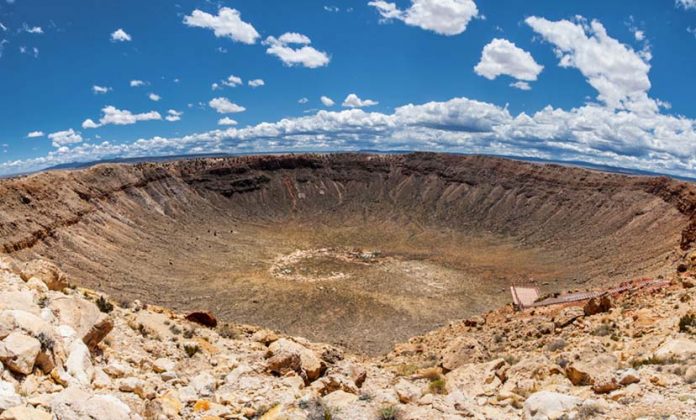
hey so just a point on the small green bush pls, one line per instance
(189, 333)
(437, 386)
(388, 413)
(46, 341)
(104, 305)
(191, 349)
(687, 323)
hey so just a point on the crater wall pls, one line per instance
(448, 234)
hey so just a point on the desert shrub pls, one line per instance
(406, 370)
(189, 333)
(44, 301)
(687, 323)
(589, 411)
(174, 329)
(228, 331)
(652, 360)
(365, 397)
(104, 305)
(555, 345)
(46, 341)
(263, 409)
(389, 412)
(437, 386)
(602, 330)
(511, 360)
(314, 408)
(142, 330)
(327, 414)
(191, 349)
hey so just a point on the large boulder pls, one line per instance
(550, 405)
(11, 320)
(47, 272)
(597, 305)
(567, 316)
(473, 380)
(407, 391)
(338, 401)
(76, 403)
(204, 318)
(204, 384)
(8, 263)
(24, 412)
(8, 396)
(79, 363)
(527, 376)
(676, 349)
(463, 350)
(592, 370)
(283, 362)
(331, 383)
(21, 300)
(83, 316)
(99, 330)
(311, 366)
(264, 336)
(18, 352)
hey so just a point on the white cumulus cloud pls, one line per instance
(35, 134)
(173, 115)
(256, 83)
(591, 133)
(445, 17)
(154, 97)
(100, 90)
(224, 106)
(502, 57)
(227, 121)
(62, 138)
(521, 85)
(89, 123)
(227, 23)
(119, 35)
(32, 29)
(294, 49)
(327, 101)
(137, 83)
(113, 115)
(232, 81)
(686, 4)
(616, 71)
(353, 101)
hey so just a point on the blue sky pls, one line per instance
(604, 82)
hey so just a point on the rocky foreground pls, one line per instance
(70, 353)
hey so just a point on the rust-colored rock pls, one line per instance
(47, 272)
(597, 305)
(97, 333)
(203, 318)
